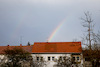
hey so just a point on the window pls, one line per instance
(64, 58)
(48, 58)
(37, 58)
(60, 58)
(77, 58)
(53, 58)
(73, 58)
(41, 58)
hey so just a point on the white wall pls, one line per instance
(3, 58)
(45, 56)
(51, 62)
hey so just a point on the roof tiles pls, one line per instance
(26, 48)
(49, 47)
(57, 47)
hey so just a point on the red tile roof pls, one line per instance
(26, 48)
(49, 47)
(57, 47)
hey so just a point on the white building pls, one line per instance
(52, 51)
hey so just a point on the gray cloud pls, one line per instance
(35, 20)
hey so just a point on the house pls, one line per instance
(50, 52)
(4, 59)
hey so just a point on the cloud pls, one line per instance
(36, 19)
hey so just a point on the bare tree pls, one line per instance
(91, 40)
(88, 23)
(65, 61)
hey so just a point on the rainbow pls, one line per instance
(56, 30)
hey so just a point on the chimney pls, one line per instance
(7, 46)
(20, 44)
